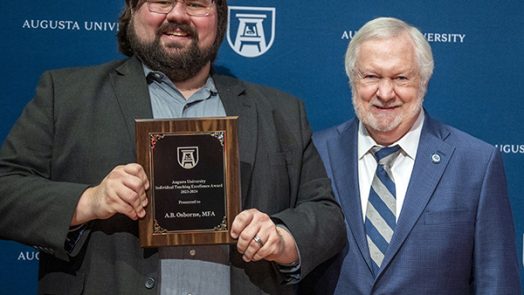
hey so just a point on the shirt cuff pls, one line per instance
(73, 237)
(291, 272)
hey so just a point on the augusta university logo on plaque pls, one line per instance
(187, 156)
(251, 30)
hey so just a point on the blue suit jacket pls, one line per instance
(455, 232)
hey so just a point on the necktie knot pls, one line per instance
(386, 155)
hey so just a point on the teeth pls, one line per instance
(178, 34)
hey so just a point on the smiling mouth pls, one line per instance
(385, 108)
(177, 34)
(180, 30)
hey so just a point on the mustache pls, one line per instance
(168, 27)
(390, 104)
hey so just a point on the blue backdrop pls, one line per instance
(298, 47)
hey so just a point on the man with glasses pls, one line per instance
(426, 205)
(67, 173)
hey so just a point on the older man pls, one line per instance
(69, 184)
(426, 205)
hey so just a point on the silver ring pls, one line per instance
(258, 240)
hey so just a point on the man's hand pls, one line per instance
(123, 191)
(259, 238)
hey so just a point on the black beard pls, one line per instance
(179, 66)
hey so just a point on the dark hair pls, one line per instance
(131, 5)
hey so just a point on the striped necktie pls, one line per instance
(381, 209)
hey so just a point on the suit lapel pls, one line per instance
(343, 159)
(236, 103)
(131, 92)
(433, 156)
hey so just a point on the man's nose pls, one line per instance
(385, 89)
(178, 12)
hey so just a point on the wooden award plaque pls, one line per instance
(194, 174)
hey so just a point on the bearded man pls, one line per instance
(67, 171)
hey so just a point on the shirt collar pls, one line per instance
(408, 142)
(208, 90)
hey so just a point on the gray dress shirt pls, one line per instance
(189, 269)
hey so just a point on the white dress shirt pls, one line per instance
(401, 169)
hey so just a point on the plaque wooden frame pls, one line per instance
(148, 134)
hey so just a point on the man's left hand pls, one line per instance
(259, 238)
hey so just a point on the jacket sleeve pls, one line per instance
(495, 263)
(316, 220)
(36, 209)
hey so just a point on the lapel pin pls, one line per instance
(435, 158)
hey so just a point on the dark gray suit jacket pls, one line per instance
(80, 125)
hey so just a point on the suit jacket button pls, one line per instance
(435, 158)
(150, 283)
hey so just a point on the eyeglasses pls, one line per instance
(192, 7)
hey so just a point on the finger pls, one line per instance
(115, 194)
(240, 222)
(135, 182)
(120, 198)
(264, 241)
(269, 248)
(137, 197)
(130, 194)
(127, 210)
(109, 203)
(140, 208)
(246, 237)
(255, 245)
(138, 171)
(135, 201)
(247, 219)
(144, 199)
(133, 169)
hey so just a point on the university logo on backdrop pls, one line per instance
(251, 30)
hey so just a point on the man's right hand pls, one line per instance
(123, 191)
